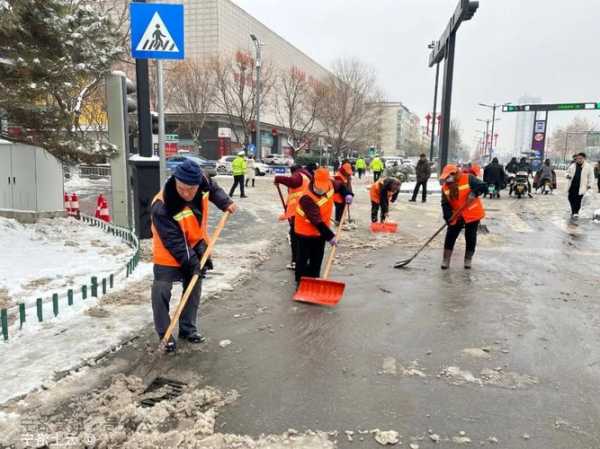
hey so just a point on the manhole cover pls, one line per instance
(161, 389)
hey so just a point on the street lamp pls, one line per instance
(493, 107)
(258, 45)
(431, 46)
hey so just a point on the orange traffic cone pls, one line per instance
(75, 212)
(99, 202)
(104, 212)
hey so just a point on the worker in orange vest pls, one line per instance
(296, 184)
(179, 215)
(460, 195)
(344, 176)
(312, 223)
(383, 192)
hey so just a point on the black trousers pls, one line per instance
(376, 176)
(238, 180)
(293, 241)
(339, 210)
(164, 277)
(248, 180)
(374, 211)
(309, 256)
(575, 200)
(453, 232)
(416, 191)
(361, 172)
(598, 185)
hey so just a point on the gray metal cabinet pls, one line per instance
(31, 179)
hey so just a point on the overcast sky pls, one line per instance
(543, 48)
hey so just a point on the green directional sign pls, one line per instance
(551, 107)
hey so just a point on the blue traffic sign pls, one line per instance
(156, 31)
(251, 148)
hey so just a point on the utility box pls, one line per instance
(31, 182)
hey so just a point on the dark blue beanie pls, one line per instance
(189, 173)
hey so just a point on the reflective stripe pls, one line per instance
(183, 214)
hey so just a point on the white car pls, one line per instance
(261, 169)
(224, 165)
(389, 161)
(278, 159)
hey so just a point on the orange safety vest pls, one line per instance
(375, 192)
(294, 195)
(339, 176)
(472, 213)
(302, 225)
(193, 232)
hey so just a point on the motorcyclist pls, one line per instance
(493, 174)
(546, 173)
(524, 166)
(512, 166)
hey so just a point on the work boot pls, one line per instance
(468, 260)
(193, 338)
(446, 260)
(412, 201)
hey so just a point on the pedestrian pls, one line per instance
(382, 193)
(296, 184)
(343, 175)
(581, 178)
(597, 174)
(336, 164)
(460, 195)
(250, 170)
(376, 167)
(179, 215)
(546, 173)
(423, 172)
(311, 224)
(361, 166)
(238, 168)
(494, 175)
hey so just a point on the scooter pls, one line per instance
(520, 183)
(546, 187)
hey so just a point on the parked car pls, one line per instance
(261, 169)
(208, 167)
(278, 159)
(389, 160)
(224, 165)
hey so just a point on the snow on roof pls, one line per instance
(137, 157)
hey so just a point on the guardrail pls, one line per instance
(96, 288)
(94, 171)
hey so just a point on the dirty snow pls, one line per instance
(494, 377)
(114, 418)
(54, 255)
(387, 437)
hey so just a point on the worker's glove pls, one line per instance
(332, 242)
(191, 267)
(349, 198)
(199, 250)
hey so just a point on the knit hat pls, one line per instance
(188, 172)
(448, 170)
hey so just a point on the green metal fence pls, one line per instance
(95, 288)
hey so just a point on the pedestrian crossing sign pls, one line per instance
(156, 31)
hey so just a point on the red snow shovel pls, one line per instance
(386, 226)
(322, 291)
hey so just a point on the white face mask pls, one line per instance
(450, 179)
(319, 192)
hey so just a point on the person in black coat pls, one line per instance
(493, 174)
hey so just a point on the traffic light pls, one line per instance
(130, 99)
(154, 116)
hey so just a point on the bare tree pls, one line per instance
(298, 101)
(192, 90)
(570, 139)
(236, 91)
(350, 115)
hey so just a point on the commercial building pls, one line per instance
(399, 129)
(524, 126)
(220, 28)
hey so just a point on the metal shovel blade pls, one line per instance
(319, 291)
(403, 263)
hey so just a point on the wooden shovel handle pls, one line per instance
(338, 234)
(194, 280)
(281, 197)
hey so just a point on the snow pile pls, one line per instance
(81, 185)
(53, 255)
(115, 418)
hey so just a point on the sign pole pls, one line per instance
(161, 123)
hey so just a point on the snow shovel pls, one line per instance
(322, 291)
(405, 262)
(283, 203)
